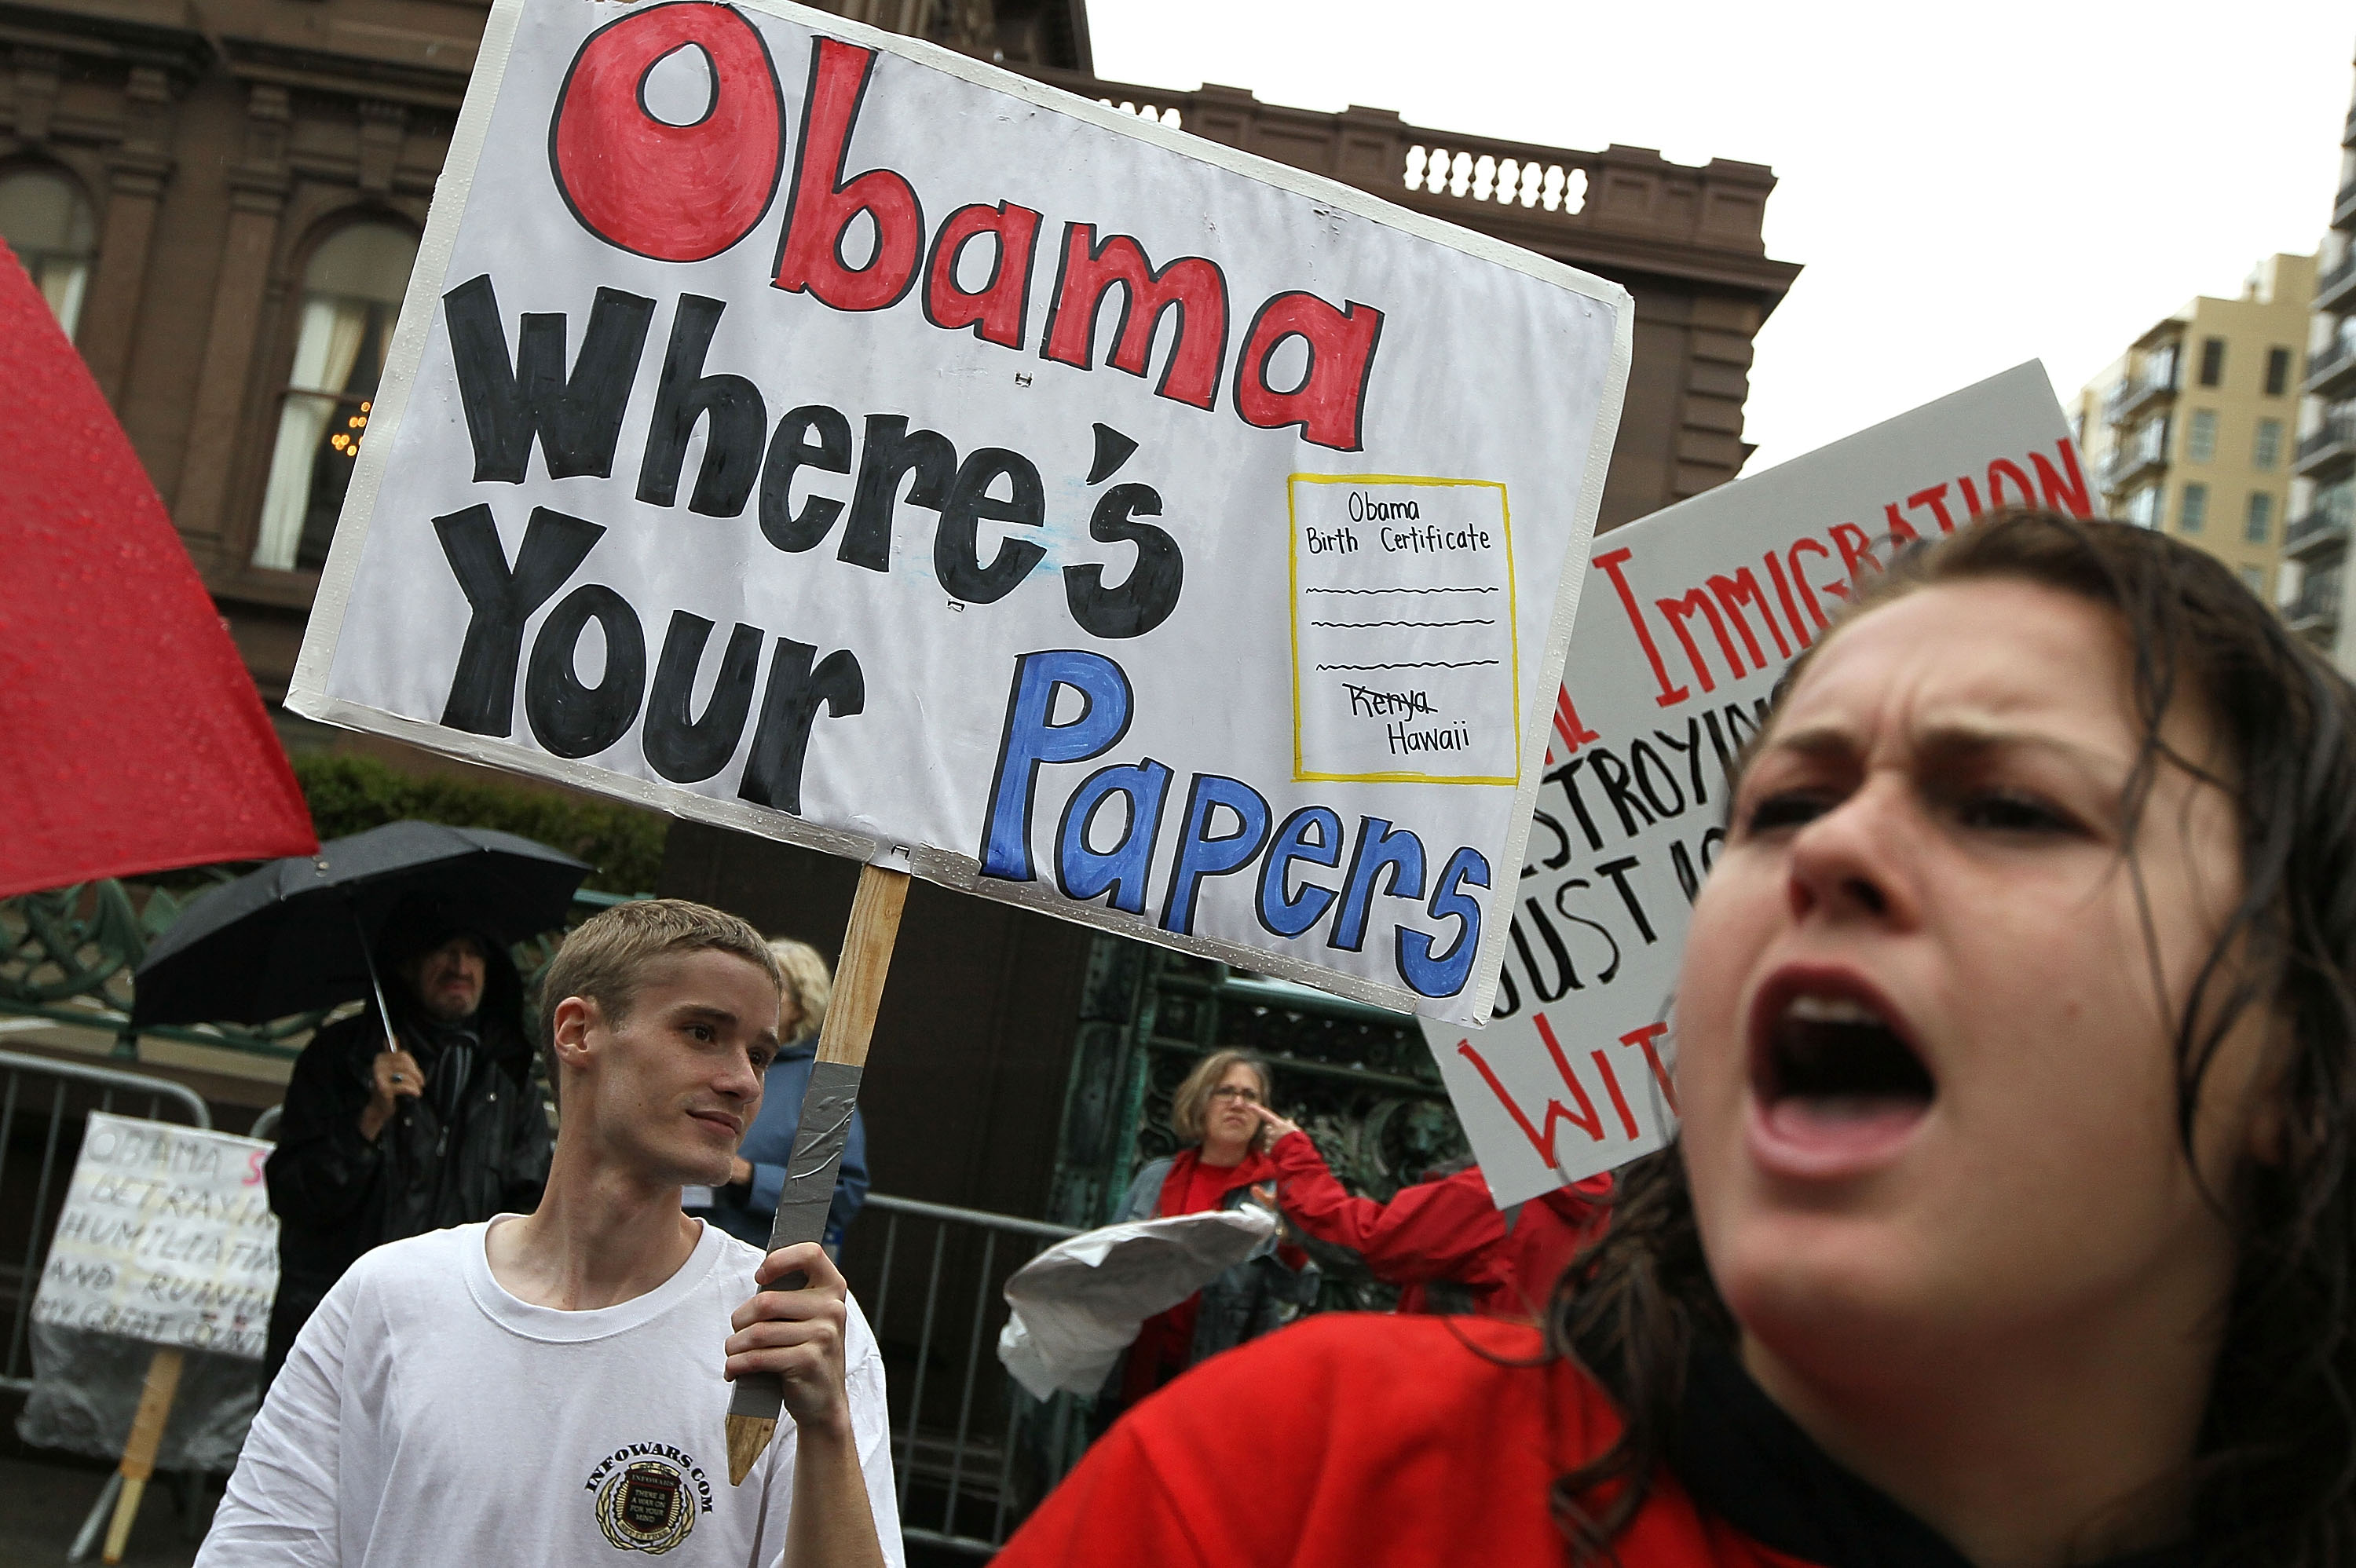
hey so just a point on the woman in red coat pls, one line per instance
(1216, 1113)
(2012, 1221)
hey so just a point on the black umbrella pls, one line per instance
(298, 934)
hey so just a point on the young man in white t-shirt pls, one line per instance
(552, 1388)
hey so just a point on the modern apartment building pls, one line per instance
(2191, 429)
(2326, 463)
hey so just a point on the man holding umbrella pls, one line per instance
(377, 1144)
(418, 1113)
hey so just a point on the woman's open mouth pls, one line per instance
(1838, 1086)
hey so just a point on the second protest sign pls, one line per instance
(1692, 615)
(816, 432)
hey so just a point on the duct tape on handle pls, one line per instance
(811, 1172)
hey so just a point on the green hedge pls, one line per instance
(348, 794)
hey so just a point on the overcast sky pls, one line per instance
(2003, 182)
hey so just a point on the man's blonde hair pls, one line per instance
(605, 958)
(1191, 1104)
(809, 985)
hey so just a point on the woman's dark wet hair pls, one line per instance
(2274, 1480)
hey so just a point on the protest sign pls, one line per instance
(809, 431)
(167, 1236)
(1690, 617)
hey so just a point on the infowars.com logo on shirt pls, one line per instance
(649, 1495)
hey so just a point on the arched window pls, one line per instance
(352, 296)
(46, 222)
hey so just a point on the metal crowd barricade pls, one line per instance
(38, 1097)
(973, 1452)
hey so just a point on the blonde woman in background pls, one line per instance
(747, 1205)
(1222, 1164)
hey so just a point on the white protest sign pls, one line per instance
(803, 429)
(165, 1236)
(1690, 617)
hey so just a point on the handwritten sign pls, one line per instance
(167, 1236)
(803, 429)
(1692, 615)
(1404, 664)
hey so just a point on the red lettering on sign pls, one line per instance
(1609, 563)
(1619, 1101)
(1937, 499)
(1784, 592)
(1800, 580)
(2003, 472)
(1566, 725)
(1192, 286)
(823, 204)
(996, 310)
(1541, 1139)
(1732, 592)
(1677, 611)
(2062, 495)
(1642, 1039)
(1330, 403)
(676, 193)
(1856, 548)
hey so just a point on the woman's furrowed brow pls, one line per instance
(1952, 741)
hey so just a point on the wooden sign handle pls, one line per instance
(139, 1452)
(833, 1094)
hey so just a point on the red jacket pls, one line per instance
(1373, 1442)
(1362, 1441)
(1445, 1229)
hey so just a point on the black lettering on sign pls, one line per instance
(1617, 783)
(773, 773)
(1654, 778)
(482, 694)
(571, 719)
(793, 448)
(1618, 871)
(1691, 746)
(1565, 979)
(1565, 775)
(687, 750)
(1146, 599)
(578, 418)
(731, 442)
(893, 452)
(957, 549)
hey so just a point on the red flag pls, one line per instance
(131, 737)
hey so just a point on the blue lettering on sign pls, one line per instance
(1224, 830)
(1032, 739)
(1202, 853)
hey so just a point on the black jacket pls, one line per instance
(337, 1194)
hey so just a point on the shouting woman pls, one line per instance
(2013, 1219)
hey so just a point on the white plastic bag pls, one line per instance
(1077, 1305)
